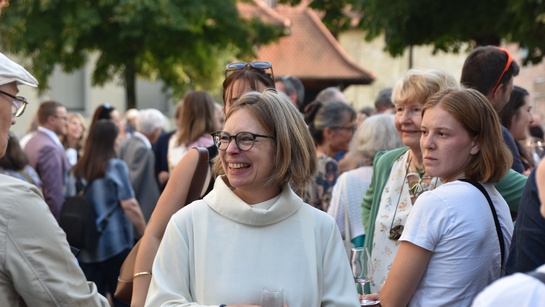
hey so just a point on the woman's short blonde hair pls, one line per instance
(475, 113)
(376, 133)
(421, 85)
(295, 158)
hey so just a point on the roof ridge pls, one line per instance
(335, 44)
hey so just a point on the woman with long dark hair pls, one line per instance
(109, 188)
(516, 116)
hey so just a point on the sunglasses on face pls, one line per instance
(258, 65)
(18, 105)
(244, 140)
(509, 61)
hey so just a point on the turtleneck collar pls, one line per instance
(226, 203)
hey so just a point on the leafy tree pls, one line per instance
(445, 24)
(183, 42)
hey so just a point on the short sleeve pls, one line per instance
(428, 222)
(120, 175)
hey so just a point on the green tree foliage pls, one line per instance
(183, 42)
(445, 24)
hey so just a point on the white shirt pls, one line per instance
(220, 250)
(455, 223)
(143, 138)
(517, 290)
(52, 135)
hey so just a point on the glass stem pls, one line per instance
(363, 291)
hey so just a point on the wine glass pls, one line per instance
(272, 297)
(362, 270)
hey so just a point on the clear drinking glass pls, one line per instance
(362, 270)
(272, 297)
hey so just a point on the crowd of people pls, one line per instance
(436, 183)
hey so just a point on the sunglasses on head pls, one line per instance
(258, 65)
(509, 61)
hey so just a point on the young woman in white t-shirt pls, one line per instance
(449, 249)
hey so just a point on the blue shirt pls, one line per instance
(105, 194)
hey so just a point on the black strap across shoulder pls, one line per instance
(537, 275)
(496, 220)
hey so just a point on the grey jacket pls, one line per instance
(37, 267)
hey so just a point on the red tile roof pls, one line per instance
(311, 53)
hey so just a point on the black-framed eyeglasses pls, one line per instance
(245, 140)
(259, 65)
(18, 106)
(351, 128)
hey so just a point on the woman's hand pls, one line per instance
(372, 296)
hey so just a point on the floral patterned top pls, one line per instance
(317, 193)
(396, 196)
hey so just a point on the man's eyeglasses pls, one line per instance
(259, 65)
(244, 140)
(18, 106)
(509, 61)
(351, 128)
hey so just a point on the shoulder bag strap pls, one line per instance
(496, 220)
(537, 275)
(199, 177)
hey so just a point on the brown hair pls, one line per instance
(100, 148)
(197, 116)
(295, 159)
(475, 113)
(512, 108)
(484, 66)
(15, 158)
(104, 111)
(46, 109)
(253, 76)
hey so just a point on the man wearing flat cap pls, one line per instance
(37, 267)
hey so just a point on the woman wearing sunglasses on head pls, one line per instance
(457, 237)
(240, 78)
(252, 231)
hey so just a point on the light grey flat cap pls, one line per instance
(13, 72)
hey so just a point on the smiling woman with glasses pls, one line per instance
(19, 104)
(244, 140)
(252, 227)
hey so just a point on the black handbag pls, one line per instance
(78, 220)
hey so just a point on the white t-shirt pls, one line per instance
(517, 290)
(454, 221)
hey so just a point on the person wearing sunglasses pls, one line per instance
(252, 230)
(37, 267)
(491, 70)
(240, 79)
